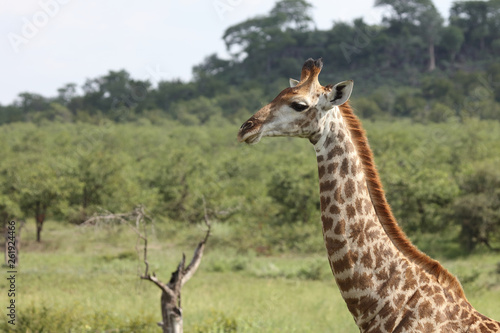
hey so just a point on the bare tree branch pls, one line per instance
(198, 253)
(159, 284)
(171, 292)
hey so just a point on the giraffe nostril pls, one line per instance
(246, 125)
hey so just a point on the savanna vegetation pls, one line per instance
(437, 177)
(428, 94)
(84, 279)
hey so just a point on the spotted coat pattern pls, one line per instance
(383, 290)
(387, 284)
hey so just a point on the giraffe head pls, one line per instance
(297, 110)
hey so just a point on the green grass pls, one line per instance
(86, 280)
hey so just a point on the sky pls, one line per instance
(45, 44)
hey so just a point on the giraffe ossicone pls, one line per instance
(387, 283)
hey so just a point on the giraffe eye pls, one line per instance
(298, 106)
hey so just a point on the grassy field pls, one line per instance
(85, 279)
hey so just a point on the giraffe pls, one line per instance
(387, 284)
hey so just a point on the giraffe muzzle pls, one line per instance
(246, 126)
(249, 132)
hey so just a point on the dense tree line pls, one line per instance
(426, 90)
(438, 177)
(411, 64)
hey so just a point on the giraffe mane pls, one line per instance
(383, 210)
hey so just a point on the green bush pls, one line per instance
(75, 319)
(314, 271)
(217, 323)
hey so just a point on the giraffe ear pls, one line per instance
(341, 92)
(293, 83)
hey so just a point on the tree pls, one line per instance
(171, 308)
(367, 108)
(494, 24)
(41, 186)
(66, 93)
(196, 111)
(286, 15)
(477, 210)
(404, 11)
(292, 193)
(211, 66)
(116, 94)
(30, 102)
(248, 37)
(97, 171)
(57, 112)
(11, 113)
(420, 14)
(102, 165)
(293, 14)
(407, 103)
(170, 92)
(430, 25)
(494, 78)
(452, 39)
(262, 42)
(176, 178)
(472, 18)
(440, 89)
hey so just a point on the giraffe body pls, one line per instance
(387, 284)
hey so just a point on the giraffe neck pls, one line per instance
(355, 240)
(386, 287)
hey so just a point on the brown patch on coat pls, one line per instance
(334, 209)
(336, 151)
(339, 228)
(344, 168)
(325, 202)
(334, 245)
(367, 260)
(321, 171)
(341, 136)
(349, 188)
(332, 167)
(327, 223)
(327, 185)
(337, 196)
(346, 262)
(350, 211)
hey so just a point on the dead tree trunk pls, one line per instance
(171, 309)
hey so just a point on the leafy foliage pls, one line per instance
(431, 93)
(479, 207)
(46, 319)
(405, 54)
(270, 190)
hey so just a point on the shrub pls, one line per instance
(75, 319)
(217, 323)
